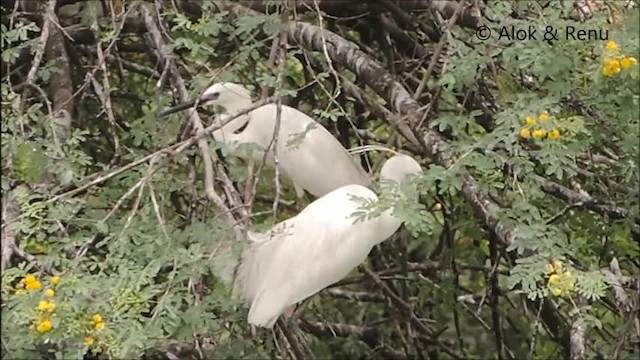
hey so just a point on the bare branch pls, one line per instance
(578, 330)
(183, 95)
(10, 212)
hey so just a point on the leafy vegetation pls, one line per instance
(525, 243)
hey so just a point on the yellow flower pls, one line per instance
(35, 285)
(561, 284)
(89, 340)
(628, 62)
(612, 45)
(30, 279)
(525, 133)
(49, 293)
(539, 134)
(55, 280)
(45, 326)
(544, 116)
(530, 121)
(611, 67)
(97, 318)
(437, 207)
(99, 326)
(44, 305)
(554, 134)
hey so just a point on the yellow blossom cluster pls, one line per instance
(98, 324)
(530, 129)
(31, 283)
(561, 281)
(45, 325)
(98, 321)
(613, 62)
(45, 307)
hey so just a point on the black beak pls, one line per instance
(179, 107)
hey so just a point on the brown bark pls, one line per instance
(10, 212)
(61, 85)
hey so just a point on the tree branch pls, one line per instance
(574, 197)
(183, 96)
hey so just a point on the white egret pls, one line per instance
(314, 249)
(307, 152)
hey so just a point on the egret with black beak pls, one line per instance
(307, 152)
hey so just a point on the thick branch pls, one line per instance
(578, 330)
(10, 212)
(61, 85)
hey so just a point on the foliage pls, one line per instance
(129, 266)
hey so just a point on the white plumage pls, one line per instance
(317, 163)
(314, 249)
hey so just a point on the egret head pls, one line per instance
(230, 96)
(399, 167)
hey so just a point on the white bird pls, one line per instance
(314, 249)
(307, 153)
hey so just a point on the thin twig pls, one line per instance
(105, 96)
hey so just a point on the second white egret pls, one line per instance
(314, 249)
